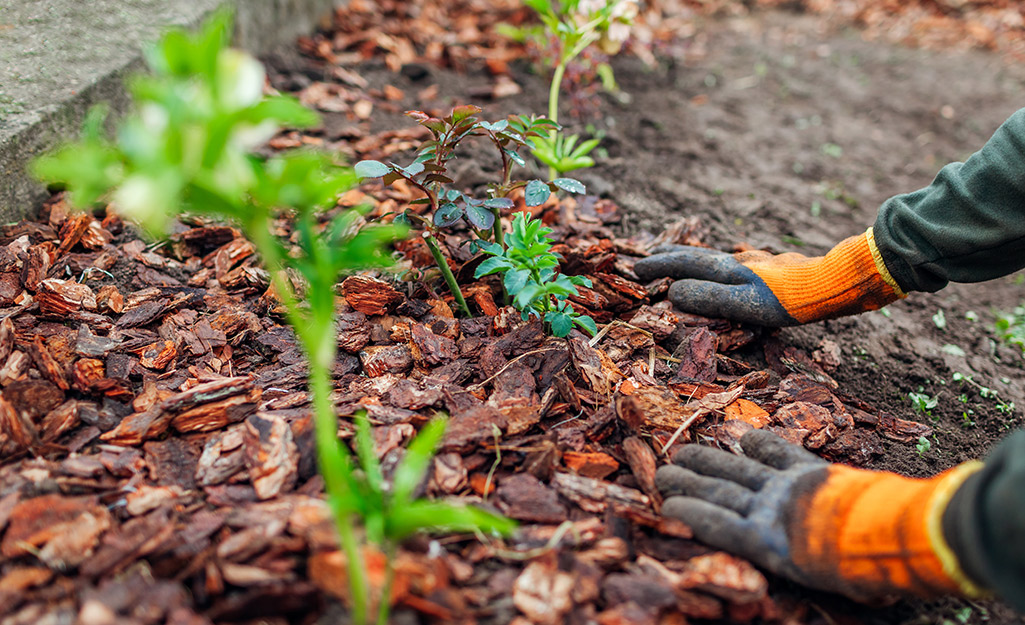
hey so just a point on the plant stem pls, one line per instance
(389, 577)
(316, 334)
(553, 107)
(334, 464)
(496, 229)
(446, 271)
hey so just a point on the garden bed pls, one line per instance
(157, 444)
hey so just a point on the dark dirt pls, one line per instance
(780, 134)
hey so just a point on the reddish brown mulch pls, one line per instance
(156, 437)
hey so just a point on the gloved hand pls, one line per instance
(863, 534)
(775, 290)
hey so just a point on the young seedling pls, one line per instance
(574, 25)
(922, 402)
(1010, 327)
(447, 206)
(190, 148)
(984, 392)
(528, 269)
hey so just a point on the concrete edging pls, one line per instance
(59, 57)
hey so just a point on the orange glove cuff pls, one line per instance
(850, 279)
(880, 533)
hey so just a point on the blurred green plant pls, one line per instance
(528, 266)
(189, 147)
(447, 206)
(572, 26)
(1010, 327)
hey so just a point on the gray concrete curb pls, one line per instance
(59, 57)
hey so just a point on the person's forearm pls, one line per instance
(967, 226)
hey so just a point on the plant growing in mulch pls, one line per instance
(571, 27)
(447, 206)
(528, 266)
(189, 149)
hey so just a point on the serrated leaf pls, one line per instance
(527, 295)
(587, 323)
(491, 265)
(499, 202)
(570, 185)
(480, 217)
(536, 193)
(371, 169)
(560, 322)
(447, 214)
(515, 279)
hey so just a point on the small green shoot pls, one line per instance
(1010, 327)
(922, 402)
(922, 446)
(528, 269)
(940, 319)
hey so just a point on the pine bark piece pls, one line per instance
(697, 355)
(36, 522)
(158, 355)
(643, 464)
(6, 339)
(223, 457)
(47, 364)
(91, 345)
(543, 592)
(370, 296)
(353, 332)
(901, 430)
(59, 298)
(430, 349)
(653, 408)
(725, 576)
(271, 455)
(514, 395)
(522, 496)
(378, 360)
(595, 465)
(600, 373)
(59, 420)
(215, 415)
(138, 427)
(659, 321)
(623, 286)
(595, 495)
(748, 412)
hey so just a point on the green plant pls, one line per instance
(1010, 327)
(984, 392)
(392, 514)
(573, 26)
(922, 402)
(922, 446)
(447, 206)
(189, 148)
(528, 266)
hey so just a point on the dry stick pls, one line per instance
(685, 424)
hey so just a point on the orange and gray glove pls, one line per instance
(864, 534)
(775, 290)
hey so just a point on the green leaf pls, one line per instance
(570, 184)
(447, 215)
(516, 157)
(371, 169)
(536, 193)
(515, 279)
(499, 202)
(462, 112)
(365, 452)
(443, 517)
(527, 295)
(587, 324)
(560, 322)
(411, 469)
(491, 265)
(490, 247)
(480, 217)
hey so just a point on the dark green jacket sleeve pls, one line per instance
(984, 524)
(968, 225)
